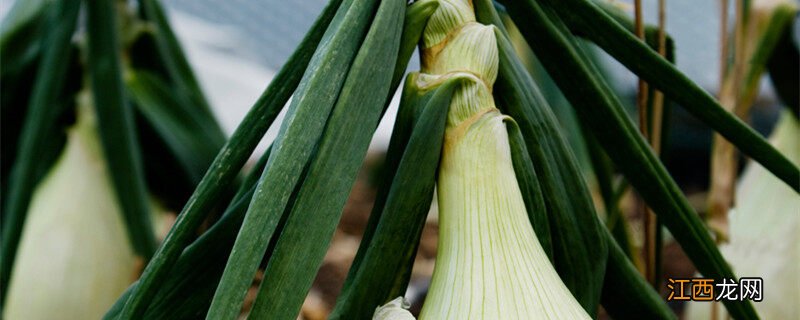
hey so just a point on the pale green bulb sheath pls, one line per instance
(489, 263)
(764, 233)
(75, 258)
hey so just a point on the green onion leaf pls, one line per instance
(626, 295)
(193, 144)
(174, 59)
(579, 253)
(597, 107)
(226, 166)
(300, 133)
(40, 118)
(598, 27)
(117, 131)
(388, 254)
(308, 231)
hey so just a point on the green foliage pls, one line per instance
(192, 138)
(300, 133)
(579, 252)
(226, 166)
(601, 110)
(187, 292)
(310, 226)
(342, 77)
(657, 71)
(39, 120)
(383, 265)
(626, 295)
(117, 132)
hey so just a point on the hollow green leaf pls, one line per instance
(598, 27)
(187, 293)
(410, 108)
(388, 254)
(626, 295)
(21, 35)
(305, 238)
(115, 122)
(21, 39)
(600, 163)
(299, 135)
(226, 166)
(191, 142)
(252, 177)
(417, 16)
(623, 19)
(171, 53)
(597, 106)
(615, 221)
(529, 185)
(15, 98)
(39, 121)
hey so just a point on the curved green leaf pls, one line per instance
(598, 27)
(622, 17)
(21, 35)
(171, 53)
(191, 142)
(579, 254)
(187, 293)
(299, 135)
(309, 229)
(115, 123)
(416, 19)
(626, 295)
(41, 117)
(226, 166)
(385, 269)
(531, 190)
(602, 112)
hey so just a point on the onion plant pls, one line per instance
(63, 271)
(489, 260)
(519, 232)
(77, 203)
(763, 231)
